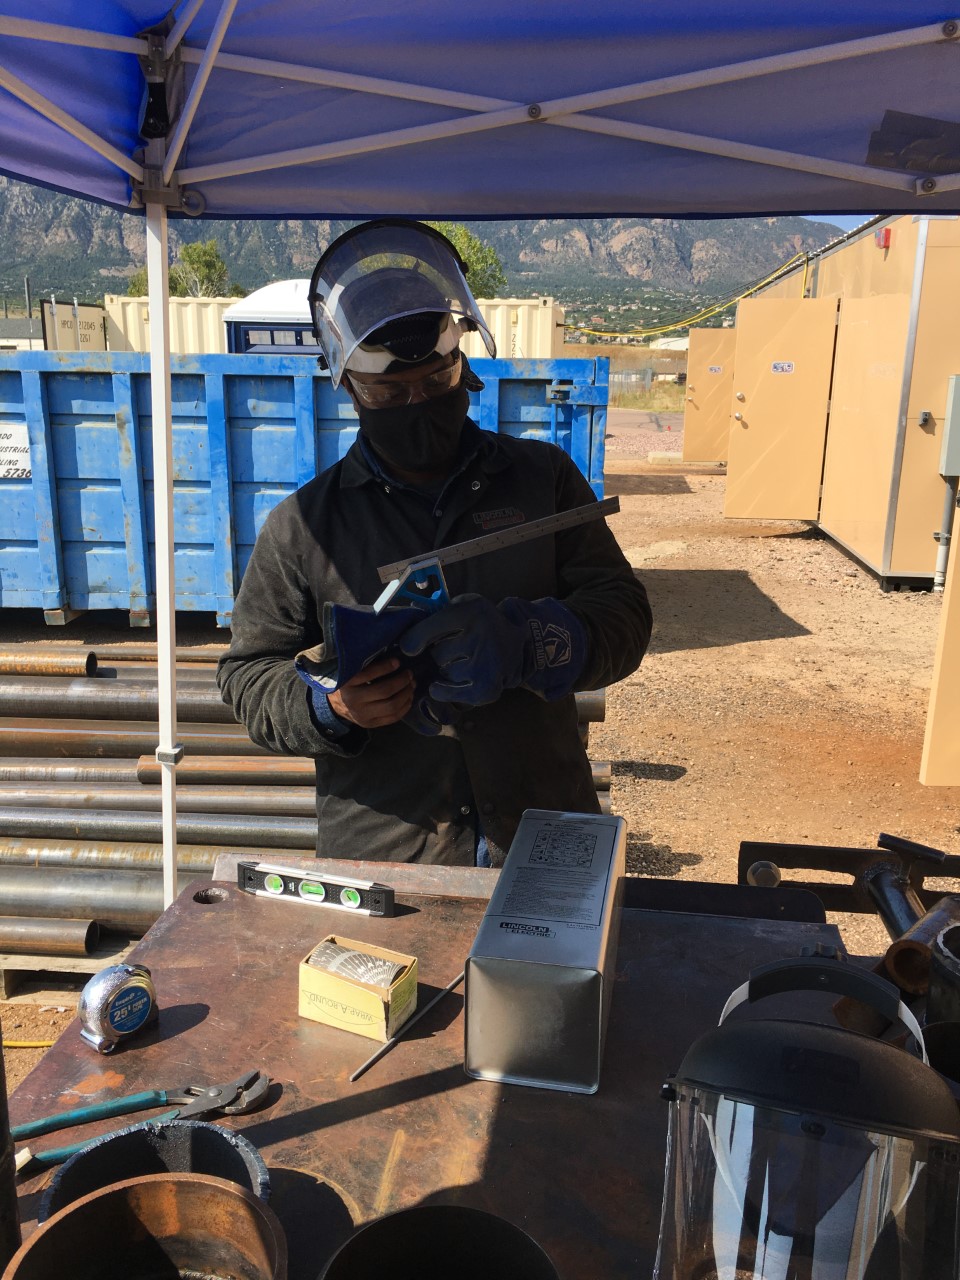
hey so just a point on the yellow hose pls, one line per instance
(28, 1044)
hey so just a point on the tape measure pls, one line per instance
(116, 1003)
(362, 897)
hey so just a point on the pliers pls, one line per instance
(234, 1098)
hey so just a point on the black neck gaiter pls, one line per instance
(422, 437)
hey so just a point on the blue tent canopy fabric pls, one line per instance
(314, 109)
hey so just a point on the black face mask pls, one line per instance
(420, 437)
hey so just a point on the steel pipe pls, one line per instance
(198, 702)
(28, 936)
(107, 700)
(288, 801)
(243, 831)
(907, 959)
(896, 901)
(83, 771)
(128, 901)
(113, 738)
(591, 705)
(80, 855)
(42, 662)
(120, 652)
(602, 772)
(267, 768)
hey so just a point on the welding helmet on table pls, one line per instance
(391, 293)
(799, 1151)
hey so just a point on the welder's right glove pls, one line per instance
(480, 648)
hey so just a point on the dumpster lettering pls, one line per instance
(15, 453)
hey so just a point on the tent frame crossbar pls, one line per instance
(180, 28)
(493, 113)
(186, 118)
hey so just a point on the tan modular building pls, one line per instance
(845, 410)
(196, 324)
(840, 384)
(524, 328)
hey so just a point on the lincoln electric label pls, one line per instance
(14, 451)
(564, 880)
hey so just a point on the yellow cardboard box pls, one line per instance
(368, 1010)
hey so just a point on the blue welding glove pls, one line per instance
(427, 717)
(481, 648)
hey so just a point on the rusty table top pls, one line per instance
(581, 1174)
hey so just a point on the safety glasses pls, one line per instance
(382, 393)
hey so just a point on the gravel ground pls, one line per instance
(784, 695)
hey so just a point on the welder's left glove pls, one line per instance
(481, 648)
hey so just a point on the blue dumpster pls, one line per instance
(76, 468)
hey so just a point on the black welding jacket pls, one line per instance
(391, 793)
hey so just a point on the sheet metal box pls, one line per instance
(540, 973)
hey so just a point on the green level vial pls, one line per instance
(364, 897)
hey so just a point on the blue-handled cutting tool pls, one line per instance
(191, 1101)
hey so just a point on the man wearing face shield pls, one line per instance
(431, 749)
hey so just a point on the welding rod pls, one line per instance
(385, 1048)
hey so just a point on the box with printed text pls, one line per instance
(358, 987)
(540, 973)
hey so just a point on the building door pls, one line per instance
(706, 414)
(781, 395)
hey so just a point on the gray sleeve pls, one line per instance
(275, 616)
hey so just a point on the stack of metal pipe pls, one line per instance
(80, 836)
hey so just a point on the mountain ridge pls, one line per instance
(69, 246)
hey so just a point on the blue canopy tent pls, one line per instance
(302, 108)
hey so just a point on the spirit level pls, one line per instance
(363, 897)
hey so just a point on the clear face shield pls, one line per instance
(757, 1193)
(383, 272)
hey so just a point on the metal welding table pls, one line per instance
(582, 1174)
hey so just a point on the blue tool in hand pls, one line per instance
(191, 1101)
(357, 635)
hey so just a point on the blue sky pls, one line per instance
(844, 220)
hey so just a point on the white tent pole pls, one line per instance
(66, 121)
(519, 115)
(749, 69)
(168, 750)
(329, 79)
(176, 143)
(79, 37)
(180, 28)
(705, 78)
(866, 174)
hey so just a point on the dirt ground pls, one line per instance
(783, 698)
(784, 695)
